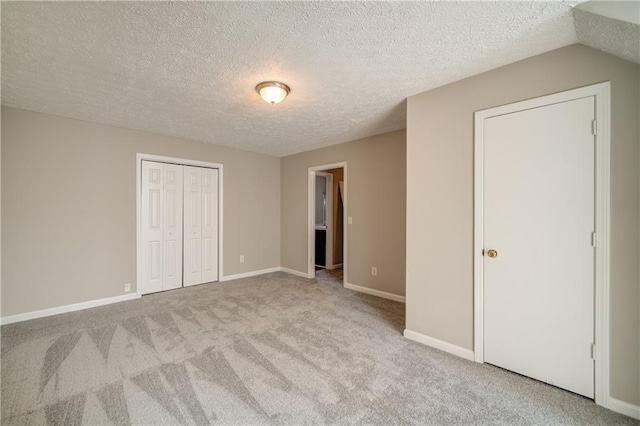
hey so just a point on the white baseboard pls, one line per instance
(613, 404)
(293, 272)
(625, 408)
(67, 308)
(373, 292)
(439, 344)
(250, 274)
(336, 266)
(106, 301)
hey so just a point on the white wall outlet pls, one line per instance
(374, 271)
(127, 287)
(242, 258)
(350, 220)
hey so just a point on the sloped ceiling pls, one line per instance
(189, 69)
(610, 26)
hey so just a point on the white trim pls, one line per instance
(294, 272)
(478, 239)
(625, 408)
(176, 160)
(130, 296)
(67, 308)
(220, 220)
(601, 92)
(336, 266)
(373, 292)
(311, 229)
(185, 162)
(603, 243)
(439, 344)
(250, 274)
(311, 226)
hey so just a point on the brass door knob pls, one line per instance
(492, 253)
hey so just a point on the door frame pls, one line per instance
(311, 218)
(182, 162)
(328, 249)
(601, 92)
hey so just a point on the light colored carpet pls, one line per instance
(270, 349)
(328, 273)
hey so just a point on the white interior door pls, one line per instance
(192, 225)
(162, 226)
(152, 212)
(539, 217)
(209, 225)
(172, 227)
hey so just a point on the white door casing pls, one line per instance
(311, 225)
(539, 216)
(209, 225)
(192, 225)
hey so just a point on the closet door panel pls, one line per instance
(192, 225)
(209, 225)
(152, 229)
(173, 198)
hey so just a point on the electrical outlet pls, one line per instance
(127, 287)
(374, 271)
(242, 258)
(350, 220)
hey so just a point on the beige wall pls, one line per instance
(440, 196)
(69, 208)
(376, 183)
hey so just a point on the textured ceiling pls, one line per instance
(611, 26)
(189, 69)
(622, 10)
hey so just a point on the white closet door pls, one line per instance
(209, 225)
(192, 225)
(152, 209)
(172, 230)
(539, 218)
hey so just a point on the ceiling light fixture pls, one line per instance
(273, 92)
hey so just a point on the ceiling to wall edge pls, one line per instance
(585, 8)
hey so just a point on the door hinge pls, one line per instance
(593, 239)
(593, 351)
(594, 127)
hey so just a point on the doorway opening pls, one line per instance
(327, 215)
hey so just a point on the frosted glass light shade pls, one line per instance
(273, 92)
